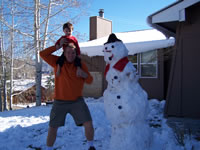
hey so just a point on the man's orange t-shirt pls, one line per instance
(67, 85)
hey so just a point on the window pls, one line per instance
(134, 60)
(146, 64)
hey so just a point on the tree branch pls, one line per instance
(15, 30)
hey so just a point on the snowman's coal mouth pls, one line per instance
(110, 58)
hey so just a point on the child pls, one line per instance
(68, 29)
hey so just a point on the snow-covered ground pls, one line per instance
(26, 129)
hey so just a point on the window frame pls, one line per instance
(139, 65)
(156, 64)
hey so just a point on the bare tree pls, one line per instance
(1, 106)
(31, 28)
(38, 60)
(3, 75)
(46, 24)
(11, 57)
(37, 50)
(2, 70)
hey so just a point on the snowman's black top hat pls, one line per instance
(112, 38)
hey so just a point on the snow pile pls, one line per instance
(26, 129)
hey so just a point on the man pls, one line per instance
(68, 93)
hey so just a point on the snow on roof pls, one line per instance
(24, 84)
(135, 41)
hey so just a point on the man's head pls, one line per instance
(70, 52)
(68, 28)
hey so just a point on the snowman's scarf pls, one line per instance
(120, 65)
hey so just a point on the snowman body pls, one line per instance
(125, 101)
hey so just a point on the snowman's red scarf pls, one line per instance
(120, 65)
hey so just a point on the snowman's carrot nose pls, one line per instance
(110, 58)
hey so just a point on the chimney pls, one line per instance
(101, 13)
(99, 26)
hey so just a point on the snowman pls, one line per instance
(125, 101)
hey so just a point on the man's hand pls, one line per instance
(81, 73)
(61, 43)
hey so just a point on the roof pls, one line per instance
(167, 18)
(135, 41)
(24, 84)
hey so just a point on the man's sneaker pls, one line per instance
(92, 148)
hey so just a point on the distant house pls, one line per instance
(146, 50)
(24, 91)
(182, 21)
(28, 96)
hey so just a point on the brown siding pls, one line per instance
(93, 28)
(96, 65)
(191, 77)
(155, 86)
(183, 98)
(168, 55)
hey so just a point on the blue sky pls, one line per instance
(126, 15)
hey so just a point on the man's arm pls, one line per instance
(46, 54)
(84, 73)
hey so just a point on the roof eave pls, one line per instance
(163, 24)
(162, 29)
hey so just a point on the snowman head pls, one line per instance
(114, 49)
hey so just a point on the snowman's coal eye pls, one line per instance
(106, 48)
(112, 46)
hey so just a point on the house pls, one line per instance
(146, 50)
(28, 96)
(181, 20)
(24, 91)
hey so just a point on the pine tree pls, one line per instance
(50, 82)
